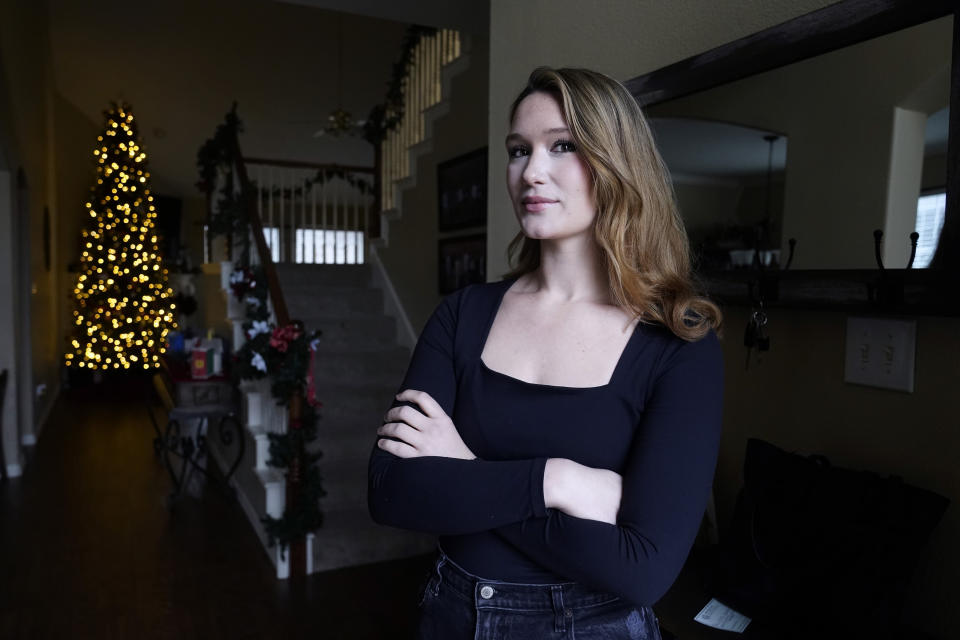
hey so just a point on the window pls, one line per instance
(272, 236)
(930, 212)
(320, 246)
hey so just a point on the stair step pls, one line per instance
(345, 484)
(358, 329)
(349, 449)
(331, 380)
(342, 419)
(343, 364)
(350, 537)
(320, 302)
(358, 368)
(358, 344)
(357, 275)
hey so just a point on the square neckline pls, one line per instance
(498, 302)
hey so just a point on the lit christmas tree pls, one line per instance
(123, 306)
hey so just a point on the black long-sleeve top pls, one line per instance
(657, 423)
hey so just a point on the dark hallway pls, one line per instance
(88, 548)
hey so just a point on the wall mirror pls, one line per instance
(823, 129)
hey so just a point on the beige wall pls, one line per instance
(707, 207)
(184, 63)
(75, 136)
(842, 151)
(411, 255)
(704, 205)
(796, 398)
(211, 303)
(193, 217)
(622, 38)
(934, 171)
(25, 56)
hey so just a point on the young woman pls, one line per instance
(559, 429)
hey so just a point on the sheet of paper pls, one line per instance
(720, 616)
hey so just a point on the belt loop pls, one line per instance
(559, 613)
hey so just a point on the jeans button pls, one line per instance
(486, 592)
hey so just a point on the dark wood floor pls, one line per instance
(89, 548)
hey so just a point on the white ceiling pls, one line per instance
(697, 150)
(472, 16)
(181, 64)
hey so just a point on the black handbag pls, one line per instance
(819, 548)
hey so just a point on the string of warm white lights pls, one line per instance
(123, 306)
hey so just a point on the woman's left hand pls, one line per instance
(428, 432)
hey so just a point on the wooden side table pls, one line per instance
(197, 409)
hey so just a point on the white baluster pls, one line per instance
(273, 180)
(394, 158)
(404, 127)
(429, 71)
(304, 176)
(385, 174)
(437, 70)
(424, 79)
(397, 161)
(313, 220)
(363, 231)
(336, 219)
(326, 223)
(353, 225)
(408, 119)
(259, 172)
(424, 85)
(417, 86)
(283, 215)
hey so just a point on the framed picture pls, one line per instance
(462, 191)
(461, 261)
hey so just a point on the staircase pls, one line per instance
(362, 354)
(357, 369)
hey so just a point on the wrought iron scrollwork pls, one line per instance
(184, 452)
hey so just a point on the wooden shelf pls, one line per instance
(889, 292)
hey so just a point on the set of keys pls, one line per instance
(754, 336)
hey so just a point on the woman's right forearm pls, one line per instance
(581, 491)
(447, 496)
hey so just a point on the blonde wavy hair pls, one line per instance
(638, 227)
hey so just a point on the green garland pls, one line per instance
(218, 151)
(283, 353)
(305, 516)
(288, 359)
(231, 217)
(365, 187)
(387, 115)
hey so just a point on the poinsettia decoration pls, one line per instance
(288, 360)
(241, 282)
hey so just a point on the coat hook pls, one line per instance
(914, 238)
(877, 244)
(793, 245)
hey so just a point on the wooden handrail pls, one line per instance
(373, 224)
(266, 260)
(297, 164)
(294, 477)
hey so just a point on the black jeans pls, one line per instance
(456, 604)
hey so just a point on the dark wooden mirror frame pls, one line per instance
(932, 291)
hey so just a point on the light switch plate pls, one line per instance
(880, 353)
